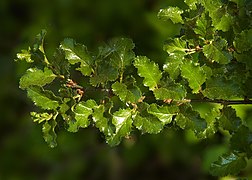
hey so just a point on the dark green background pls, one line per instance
(172, 154)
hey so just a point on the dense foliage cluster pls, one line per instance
(119, 92)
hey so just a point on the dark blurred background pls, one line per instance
(172, 154)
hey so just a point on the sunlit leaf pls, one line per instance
(215, 51)
(194, 74)
(101, 122)
(174, 92)
(36, 77)
(172, 65)
(163, 113)
(43, 98)
(119, 51)
(192, 4)
(123, 123)
(25, 55)
(148, 124)
(149, 71)
(175, 45)
(172, 13)
(40, 117)
(49, 133)
(77, 53)
(124, 94)
(82, 112)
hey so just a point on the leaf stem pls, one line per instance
(220, 101)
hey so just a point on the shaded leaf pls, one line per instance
(220, 88)
(242, 140)
(104, 73)
(243, 41)
(39, 41)
(227, 164)
(59, 64)
(229, 120)
(190, 119)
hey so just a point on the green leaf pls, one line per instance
(123, 123)
(120, 89)
(172, 65)
(175, 45)
(104, 73)
(229, 120)
(149, 71)
(203, 27)
(244, 57)
(119, 51)
(163, 113)
(215, 51)
(82, 112)
(227, 164)
(194, 74)
(40, 117)
(148, 124)
(243, 41)
(173, 92)
(210, 5)
(172, 13)
(101, 122)
(36, 77)
(242, 140)
(77, 53)
(49, 134)
(221, 20)
(220, 88)
(25, 55)
(192, 4)
(39, 41)
(190, 119)
(43, 98)
(59, 64)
